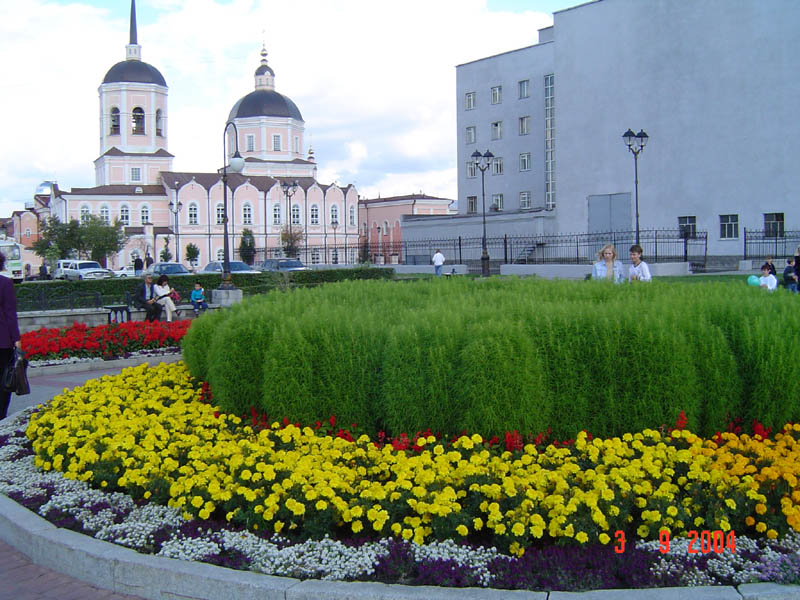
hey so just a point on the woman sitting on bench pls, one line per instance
(164, 295)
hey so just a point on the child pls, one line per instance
(638, 271)
(768, 280)
(789, 276)
(772, 270)
(198, 298)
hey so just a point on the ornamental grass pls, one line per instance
(148, 432)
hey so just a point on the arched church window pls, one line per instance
(114, 121)
(105, 214)
(145, 214)
(193, 214)
(125, 215)
(85, 212)
(276, 214)
(137, 121)
(352, 216)
(295, 214)
(334, 213)
(314, 215)
(159, 126)
(220, 214)
(247, 215)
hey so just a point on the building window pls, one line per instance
(524, 88)
(773, 225)
(497, 201)
(472, 204)
(250, 142)
(472, 169)
(220, 214)
(295, 214)
(28, 232)
(315, 256)
(193, 214)
(136, 174)
(497, 94)
(296, 145)
(524, 199)
(497, 130)
(334, 213)
(728, 227)
(159, 126)
(471, 137)
(687, 227)
(276, 214)
(497, 166)
(524, 125)
(549, 143)
(114, 121)
(469, 100)
(221, 254)
(85, 212)
(125, 215)
(276, 143)
(525, 161)
(352, 216)
(314, 218)
(105, 214)
(247, 215)
(137, 121)
(144, 215)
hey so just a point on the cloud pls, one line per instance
(374, 80)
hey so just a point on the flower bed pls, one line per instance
(147, 433)
(102, 341)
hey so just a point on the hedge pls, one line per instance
(497, 355)
(112, 291)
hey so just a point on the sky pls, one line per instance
(374, 80)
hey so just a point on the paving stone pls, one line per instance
(335, 590)
(769, 591)
(706, 592)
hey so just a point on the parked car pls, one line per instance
(86, 269)
(126, 271)
(237, 266)
(167, 268)
(58, 272)
(282, 264)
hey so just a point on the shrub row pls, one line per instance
(33, 295)
(497, 355)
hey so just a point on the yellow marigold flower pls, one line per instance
(396, 528)
(731, 503)
(604, 538)
(582, 537)
(477, 523)
(500, 529)
(197, 501)
(356, 526)
(278, 526)
(462, 530)
(698, 521)
(772, 534)
(749, 521)
(643, 531)
(518, 529)
(672, 511)
(407, 534)
(761, 508)
(246, 475)
(761, 527)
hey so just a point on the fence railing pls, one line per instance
(659, 245)
(40, 300)
(758, 244)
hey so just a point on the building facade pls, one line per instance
(712, 84)
(135, 183)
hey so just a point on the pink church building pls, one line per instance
(136, 184)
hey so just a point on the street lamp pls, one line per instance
(175, 209)
(334, 226)
(378, 244)
(236, 165)
(482, 162)
(636, 143)
(288, 190)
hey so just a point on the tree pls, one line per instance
(57, 239)
(247, 246)
(99, 239)
(165, 254)
(192, 253)
(291, 242)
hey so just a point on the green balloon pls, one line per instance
(754, 280)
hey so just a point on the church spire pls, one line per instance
(265, 76)
(133, 51)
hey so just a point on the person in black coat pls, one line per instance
(138, 266)
(146, 298)
(9, 330)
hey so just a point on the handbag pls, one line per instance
(14, 377)
(176, 297)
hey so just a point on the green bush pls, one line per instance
(496, 355)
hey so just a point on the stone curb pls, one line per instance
(125, 571)
(102, 365)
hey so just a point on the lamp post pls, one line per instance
(236, 165)
(378, 244)
(288, 190)
(334, 226)
(175, 209)
(482, 162)
(636, 143)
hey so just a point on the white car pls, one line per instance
(86, 269)
(127, 271)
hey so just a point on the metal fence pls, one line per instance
(758, 244)
(29, 299)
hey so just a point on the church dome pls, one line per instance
(265, 103)
(134, 71)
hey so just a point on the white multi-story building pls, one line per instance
(713, 83)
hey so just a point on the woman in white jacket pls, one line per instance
(163, 290)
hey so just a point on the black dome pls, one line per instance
(264, 69)
(265, 103)
(134, 71)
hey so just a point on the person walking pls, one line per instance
(608, 268)
(9, 330)
(438, 261)
(638, 271)
(148, 260)
(138, 266)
